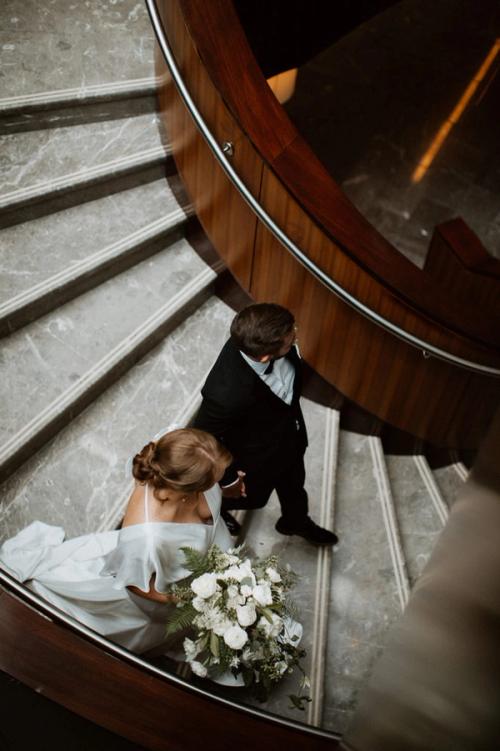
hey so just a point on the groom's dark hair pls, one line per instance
(261, 329)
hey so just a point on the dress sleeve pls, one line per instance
(142, 552)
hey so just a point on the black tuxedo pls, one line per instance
(266, 436)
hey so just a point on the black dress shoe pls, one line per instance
(308, 530)
(233, 526)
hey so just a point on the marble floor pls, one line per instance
(371, 104)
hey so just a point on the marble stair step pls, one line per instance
(420, 508)
(78, 479)
(450, 480)
(48, 261)
(311, 563)
(55, 366)
(369, 587)
(73, 54)
(47, 170)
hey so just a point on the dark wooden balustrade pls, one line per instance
(430, 398)
(133, 702)
(461, 264)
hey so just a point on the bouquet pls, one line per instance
(239, 620)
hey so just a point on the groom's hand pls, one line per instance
(237, 489)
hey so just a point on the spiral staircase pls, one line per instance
(110, 323)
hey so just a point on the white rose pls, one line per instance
(246, 591)
(199, 604)
(205, 585)
(198, 669)
(271, 630)
(235, 637)
(262, 594)
(246, 614)
(221, 626)
(273, 575)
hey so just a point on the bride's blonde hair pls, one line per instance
(186, 460)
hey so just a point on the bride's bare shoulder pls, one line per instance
(134, 513)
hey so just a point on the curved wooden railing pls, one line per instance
(69, 663)
(384, 333)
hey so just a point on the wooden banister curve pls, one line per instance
(436, 400)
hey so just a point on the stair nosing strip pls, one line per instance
(432, 487)
(461, 470)
(390, 521)
(29, 431)
(80, 178)
(78, 94)
(323, 569)
(147, 233)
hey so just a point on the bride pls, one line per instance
(117, 582)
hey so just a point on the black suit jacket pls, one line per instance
(258, 427)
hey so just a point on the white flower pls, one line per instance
(233, 591)
(190, 648)
(262, 594)
(205, 585)
(199, 604)
(243, 571)
(229, 560)
(292, 633)
(273, 629)
(273, 575)
(246, 614)
(198, 669)
(281, 667)
(245, 590)
(235, 637)
(221, 626)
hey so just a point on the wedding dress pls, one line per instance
(87, 577)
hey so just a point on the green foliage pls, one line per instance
(180, 619)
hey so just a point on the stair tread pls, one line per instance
(418, 519)
(50, 159)
(77, 479)
(73, 46)
(450, 483)
(364, 600)
(32, 252)
(48, 356)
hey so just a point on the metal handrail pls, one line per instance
(427, 348)
(48, 610)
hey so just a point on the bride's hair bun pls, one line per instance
(143, 463)
(186, 460)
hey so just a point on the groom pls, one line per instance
(251, 404)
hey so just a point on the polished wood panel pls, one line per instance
(439, 402)
(460, 263)
(134, 703)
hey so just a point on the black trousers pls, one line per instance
(287, 479)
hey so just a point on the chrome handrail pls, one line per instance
(219, 153)
(49, 611)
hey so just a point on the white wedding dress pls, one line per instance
(87, 577)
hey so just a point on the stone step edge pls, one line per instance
(47, 423)
(44, 192)
(182, 419)
(87, 273)
(432, 487)
(390, 520)
(323, 570)
(81, 95)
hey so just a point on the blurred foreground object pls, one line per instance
(437, 685)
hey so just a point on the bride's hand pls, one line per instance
(236, 490)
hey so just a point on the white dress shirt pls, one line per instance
(280, 381)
